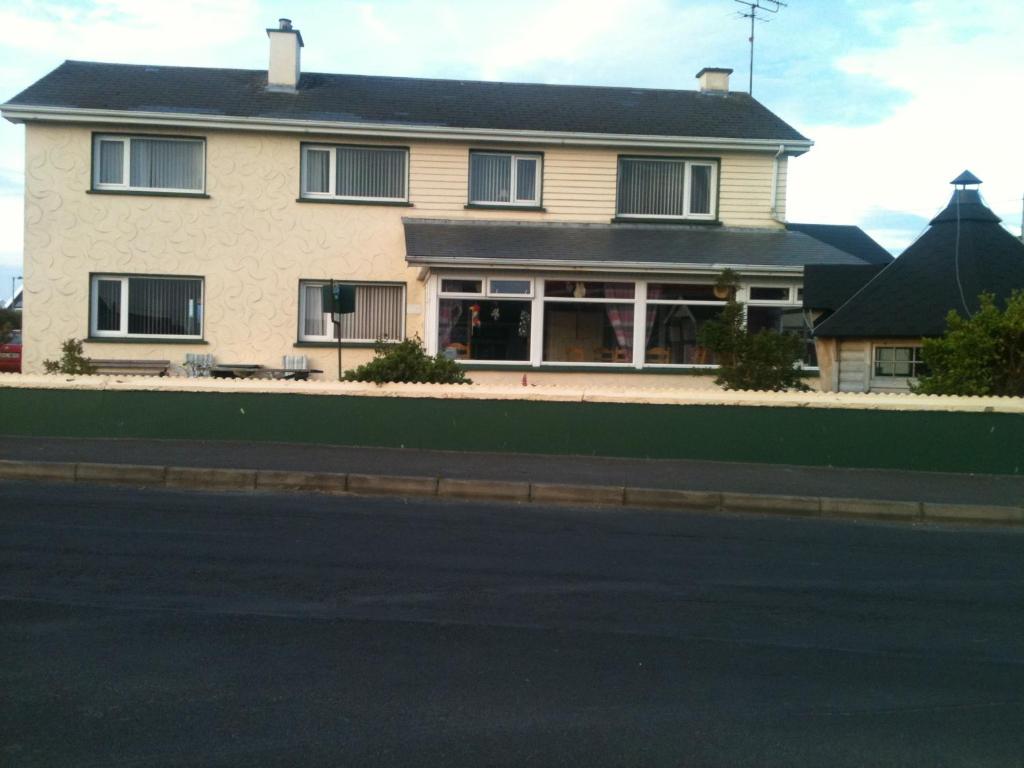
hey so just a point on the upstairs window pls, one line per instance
(504, 178)
(148, 164)
(360, 174)
(666, 188)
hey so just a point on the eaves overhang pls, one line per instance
(565, 265)
(19, 113)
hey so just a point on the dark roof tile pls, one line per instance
(407, 101)
(675, 247)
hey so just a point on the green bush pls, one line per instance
(71, 360)
(9, 321)
(765, 360)
(407, 361)
(980, 355)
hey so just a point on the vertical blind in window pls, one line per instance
(651, 187)
(316, 171)
(164, 306)
(370, 173)
(700, 189)
(380, 311)
(490, 178)
(108, 309)
(526, 179)
(166, 164)
(111, 160)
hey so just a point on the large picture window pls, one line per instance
(380, 314)
(666, 188)
(588, 321)
(504, 178)
(367, 174)
(676, 313)
(140, 306)
(596, 320)
(485, 319)
(148, 164)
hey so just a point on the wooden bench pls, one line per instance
(131, 367)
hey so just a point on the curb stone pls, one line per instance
(121, 474)
(211, 479)
(393, 484)
(199, 478)
(37, 470)
(892, 510)
(557, 493)
(283, 480)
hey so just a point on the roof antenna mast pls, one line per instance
(753, 6)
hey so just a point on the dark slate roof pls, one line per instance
(847, 238)
(406, 101)
(829, 286)
(666, 246)
(911, 297)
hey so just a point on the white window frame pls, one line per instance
(915, 362)
(711, 215)
(676, 302)
(640, 302)
(332, 173)
(94, 308)
(303, 284)
(514, 200)
(126, 167)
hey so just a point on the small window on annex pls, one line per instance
(676, 313)
(494, 325)
(588, 321)
(904, 362)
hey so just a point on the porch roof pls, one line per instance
(452, 242)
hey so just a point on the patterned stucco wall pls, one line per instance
(252, 241)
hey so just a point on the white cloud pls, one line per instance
(962, 74)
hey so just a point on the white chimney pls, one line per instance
(714, 80)
(285, 46)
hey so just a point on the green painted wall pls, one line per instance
(919, 440)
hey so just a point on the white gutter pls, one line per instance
(602, 266)
(775, 184)
(16, 113)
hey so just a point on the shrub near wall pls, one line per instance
(917, 440)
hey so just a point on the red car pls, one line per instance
(10, 354)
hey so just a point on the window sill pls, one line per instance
(146, 193)
(334, 344)
(331, 201)
(504, 207)
(672, 222)
(135, 340)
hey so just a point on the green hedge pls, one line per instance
(919, 440)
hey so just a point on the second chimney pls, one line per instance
(714, 80)
(285, 46)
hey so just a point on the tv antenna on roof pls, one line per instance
(753, 6)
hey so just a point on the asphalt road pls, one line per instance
(159, 628)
